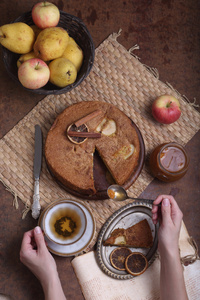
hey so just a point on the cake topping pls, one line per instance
(74, 129)
(129, 152)
(78, 132)
(107, 127)
(100, 126)
(88, 117)
(126, 151)
(84, 134)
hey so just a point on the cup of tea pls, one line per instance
(64, 222)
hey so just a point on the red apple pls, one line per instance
(33, 73)
(166, 109)
(45, 14)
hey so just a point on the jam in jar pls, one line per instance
(169, 162)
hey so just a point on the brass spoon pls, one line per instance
(118, 193)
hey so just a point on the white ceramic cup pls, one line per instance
(61, 209)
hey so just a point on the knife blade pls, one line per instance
(36, 172)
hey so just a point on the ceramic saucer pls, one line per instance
(82, 243)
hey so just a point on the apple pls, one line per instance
(166, 109)
(33, 73)
(45, 14)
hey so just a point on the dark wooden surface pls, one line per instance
(167, 32)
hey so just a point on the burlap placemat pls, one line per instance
(117, 77)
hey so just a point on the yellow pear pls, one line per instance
(72, 41)
(25, 57)
(74, 53)
(51, 43)
(17, 37)
(36, 30)
(62, 72)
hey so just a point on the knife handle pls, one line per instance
(36, 201)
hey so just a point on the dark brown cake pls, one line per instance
(136, 236)
(72, 164)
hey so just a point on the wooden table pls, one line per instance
(167, 33)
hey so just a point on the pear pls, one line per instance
(72, 41)
(51, 43)
(17, 37)
(62, 72)
(36, 30)
(109, 128)
(74, 53)
(25, 57)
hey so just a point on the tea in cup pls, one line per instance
(64, 222)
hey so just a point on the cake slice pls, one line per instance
(136, 236)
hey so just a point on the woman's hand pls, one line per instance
(35, 255)
(172, 285)
(170, 218)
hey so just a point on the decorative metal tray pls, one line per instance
(123, 218)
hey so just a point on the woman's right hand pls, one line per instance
(170, 219)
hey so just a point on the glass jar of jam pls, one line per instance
(169, 162)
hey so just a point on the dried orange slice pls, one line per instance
(81, 128)
(118, 257)
(136, 263)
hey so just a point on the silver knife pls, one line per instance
(36, 171)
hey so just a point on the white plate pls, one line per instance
(82, 243)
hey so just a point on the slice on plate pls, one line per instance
(136, 236)
(136, 263)
(118, 257)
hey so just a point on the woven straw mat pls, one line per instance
(117, 77)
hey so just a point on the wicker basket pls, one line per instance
(78, 31)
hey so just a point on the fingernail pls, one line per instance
(38, 230)
(166, 202)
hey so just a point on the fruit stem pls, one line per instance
(37, 66)
(169, 103)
